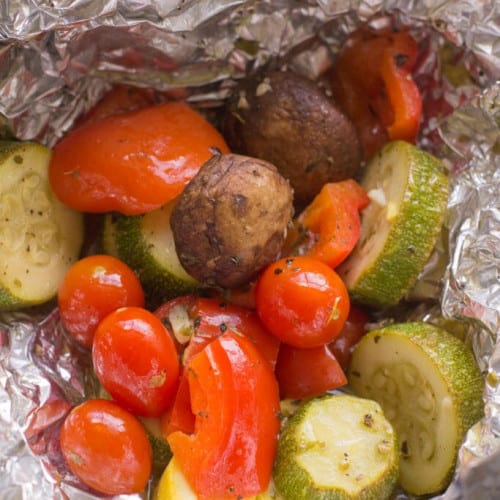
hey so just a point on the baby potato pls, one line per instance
(231, 219)
(288, 120)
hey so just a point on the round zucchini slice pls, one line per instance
(40, 237)
(400, 227)
(430, 387)
(337, 447)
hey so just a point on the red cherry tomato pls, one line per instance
(235, 400)
(92, 288)
(305, 373)
(132, 162)
(353, 330)
(106, 447)
(135, 360)
(302, 301)
(207, 318)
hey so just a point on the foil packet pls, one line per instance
(58, 58)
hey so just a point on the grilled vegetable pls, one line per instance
(39, 236)
(400, 227)
(337, 447)
(430, 388)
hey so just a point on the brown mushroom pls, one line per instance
(289, 121)
(231, 219)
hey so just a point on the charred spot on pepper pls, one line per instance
(400, 60)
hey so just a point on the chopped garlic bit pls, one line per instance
(377, 195)
(263, 87)
(242, 101)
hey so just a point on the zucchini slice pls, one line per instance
(39, 236)
(400, 227)
(146, 244)
(159, 445)
(337, 447)
(429, 385)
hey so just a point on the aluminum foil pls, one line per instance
(57, 58)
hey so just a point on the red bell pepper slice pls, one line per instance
(404, 98)
(179, 415)
(305, 373)
(329, 228)
(234, 396)
(372, 83)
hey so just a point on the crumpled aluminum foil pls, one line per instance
(57, 58)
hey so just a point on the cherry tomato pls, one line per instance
(132, 162)
(106, 447)
(203, 319)
(329, 227)
(135, 360)
(235, 400)
(353, 330)
(304, 373)
(302, 301)
(92, 288)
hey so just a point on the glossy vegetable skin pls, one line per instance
(305, 373)
(329, 228)
(132, 162)
(302, 301)
(136, 361)
(207, 318)
(120, 99)
(106, 447)
(234, 397)
(372, 83)
(354, 328)
(92, 288)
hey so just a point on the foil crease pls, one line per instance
(57, 58)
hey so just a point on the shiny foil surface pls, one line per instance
(57, 59)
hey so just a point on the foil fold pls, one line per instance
(57, 58)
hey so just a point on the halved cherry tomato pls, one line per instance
(305, 373)
(329, 228)
(302, 301)
(372, 82)
(234, 396)
(135, 360)
(133, 162)
(351, 333)
(211, 317)
(106, 447)
(119, 99)
(92, 288)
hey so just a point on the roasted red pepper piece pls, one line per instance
(329, 228)
(372, 82)
(305, 373)
(234, 396)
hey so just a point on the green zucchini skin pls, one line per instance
(40, 237)
(354, 450)
(431, 389)
(145, 243)
(382, 278)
